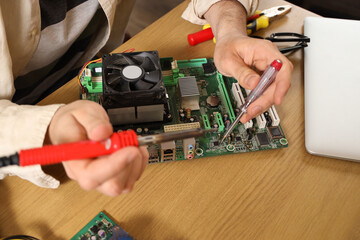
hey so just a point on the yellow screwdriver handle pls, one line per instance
(259, 23)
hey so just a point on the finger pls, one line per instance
(116, 185)
(94, 120)
(232, 65)
(145, 159)
(283, 82)
(92, 173)
(138, 168)
(134, 174)
(260, 105)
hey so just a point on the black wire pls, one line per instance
(24, 237)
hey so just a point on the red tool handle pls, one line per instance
(200, 36)
(79, 150)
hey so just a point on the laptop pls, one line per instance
(332, 88)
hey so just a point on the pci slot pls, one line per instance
(220, 122)
(225, 97)
(206, 121)
(261, 120)
(240, 100)
(274, 116)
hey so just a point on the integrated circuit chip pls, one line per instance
(209, 68)
(275, 132)
(262, 139)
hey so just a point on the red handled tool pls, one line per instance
(53, 154)
(260, 20)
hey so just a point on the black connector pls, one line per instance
(10, 160)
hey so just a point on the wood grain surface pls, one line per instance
(277, 194)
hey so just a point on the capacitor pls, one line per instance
(139, 130)
(188, 113)
(191, 119)
(225, 117)
(232, 135)
(216, 125)
(182, 117)
(146, 130)
(237, 111)
(227, 124)
(250, 134)
(229, 140)
(169, 117)
(102, 234)
(181, 110)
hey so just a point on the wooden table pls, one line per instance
(276, 194)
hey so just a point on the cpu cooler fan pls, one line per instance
(133, 80)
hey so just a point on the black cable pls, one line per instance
(10, 160)
(22, 237)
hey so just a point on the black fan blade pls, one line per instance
(142, 85)
(147, 55)
(152, 77)
(113, 79)
(147, 64)
(128, 59)
(125, 86)
(115, 67)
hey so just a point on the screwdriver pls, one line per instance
(265, 81)
(52, 154)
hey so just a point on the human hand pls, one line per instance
(113, 174)
(236, 56)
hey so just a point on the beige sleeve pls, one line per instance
(197, 8)
(23, 127)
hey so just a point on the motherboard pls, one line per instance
(151, 95)
(101, 227)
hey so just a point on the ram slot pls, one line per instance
(240, 100)
(261, 120)
(225, 97)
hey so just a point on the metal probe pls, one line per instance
(265, 81)
(170, 136)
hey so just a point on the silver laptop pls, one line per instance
(332, 88)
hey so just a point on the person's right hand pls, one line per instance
(113, 174)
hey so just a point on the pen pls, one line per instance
(52, 154)
(265, 81)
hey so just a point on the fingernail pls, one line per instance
(256, 110)
(250, 81)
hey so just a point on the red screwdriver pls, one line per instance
(52, 154)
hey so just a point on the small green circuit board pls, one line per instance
(101, 227)
(217, 105)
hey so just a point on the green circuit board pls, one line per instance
(215, 105)
(102, 227)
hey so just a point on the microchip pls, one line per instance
(216, 144)
(83, 238)
(238, 139)
(275, 132)
(94, 229)
(263, 139)
(209, 68)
